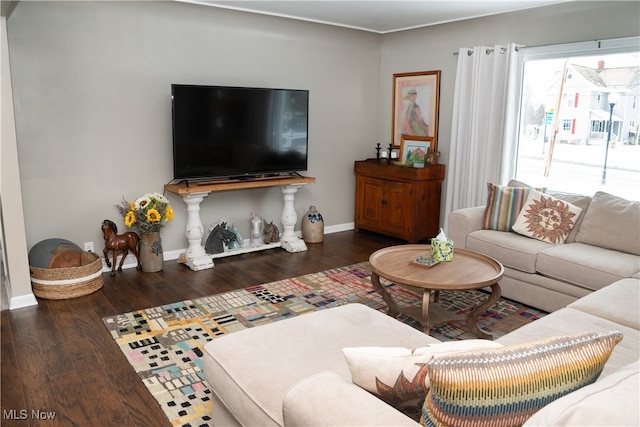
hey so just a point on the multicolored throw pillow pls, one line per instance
(503, 206)
(546, 218)
(399, 375)
(507, 385)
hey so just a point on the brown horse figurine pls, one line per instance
(118, 242)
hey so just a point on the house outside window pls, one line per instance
(565, 122)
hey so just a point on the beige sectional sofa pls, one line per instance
(294, 373)
(603, 246)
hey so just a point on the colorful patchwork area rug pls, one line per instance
(164, 344)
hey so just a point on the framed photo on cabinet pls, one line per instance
(416, 100)
(414, 149)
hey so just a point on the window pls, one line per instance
(598, 126)
(569, 100)
(578, 117)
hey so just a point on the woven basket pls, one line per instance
(68, 282)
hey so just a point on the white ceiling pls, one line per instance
(379, 16)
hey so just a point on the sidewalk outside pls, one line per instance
(578, 168)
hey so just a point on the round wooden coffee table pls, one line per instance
(468, 270)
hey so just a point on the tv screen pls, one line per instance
(235, 132)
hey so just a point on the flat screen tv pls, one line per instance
(238, 132)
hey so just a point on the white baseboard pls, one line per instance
(339, 227)
(22, 301)
(130, 261)
(30, 300)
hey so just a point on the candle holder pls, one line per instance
(384, 157)
(378, 150)
(390, 150)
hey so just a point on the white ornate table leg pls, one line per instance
(289, 239)
(197, 258)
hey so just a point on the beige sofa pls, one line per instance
(603, 246)
(293, 372)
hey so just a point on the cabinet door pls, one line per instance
(396, 208)
(370, 208)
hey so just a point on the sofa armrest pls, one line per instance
(462, 222)
(326, 399)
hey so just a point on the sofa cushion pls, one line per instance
(607, 303)
(610, 401)
(398, 375)
(505, 386)
(326, 399)
(516, 183)
(611, 222)
(591, 267)
(570, 321)
(577, 200)
(511, 249)
(503, 206)
(546, 218)
(253, 388)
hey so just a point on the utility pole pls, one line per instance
(554, 127)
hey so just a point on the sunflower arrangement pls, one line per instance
(148, 214)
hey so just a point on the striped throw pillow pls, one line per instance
(507, 385)
(503, 206)
(399, 375)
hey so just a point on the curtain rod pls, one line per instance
(597, 41)
(490, 50)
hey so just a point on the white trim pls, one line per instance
(23, 301)
(30, 300)
(588, 48)
(339, 227)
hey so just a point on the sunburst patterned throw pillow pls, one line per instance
(546, 218)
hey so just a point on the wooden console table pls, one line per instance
(194, 193)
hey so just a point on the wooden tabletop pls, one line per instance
(237, 184)
(468, 270)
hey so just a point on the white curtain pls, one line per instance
(484, 123)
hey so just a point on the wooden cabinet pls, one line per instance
(398, 201)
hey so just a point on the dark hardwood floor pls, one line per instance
(58, 358)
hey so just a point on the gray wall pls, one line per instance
(91, 87)
(432, 48)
